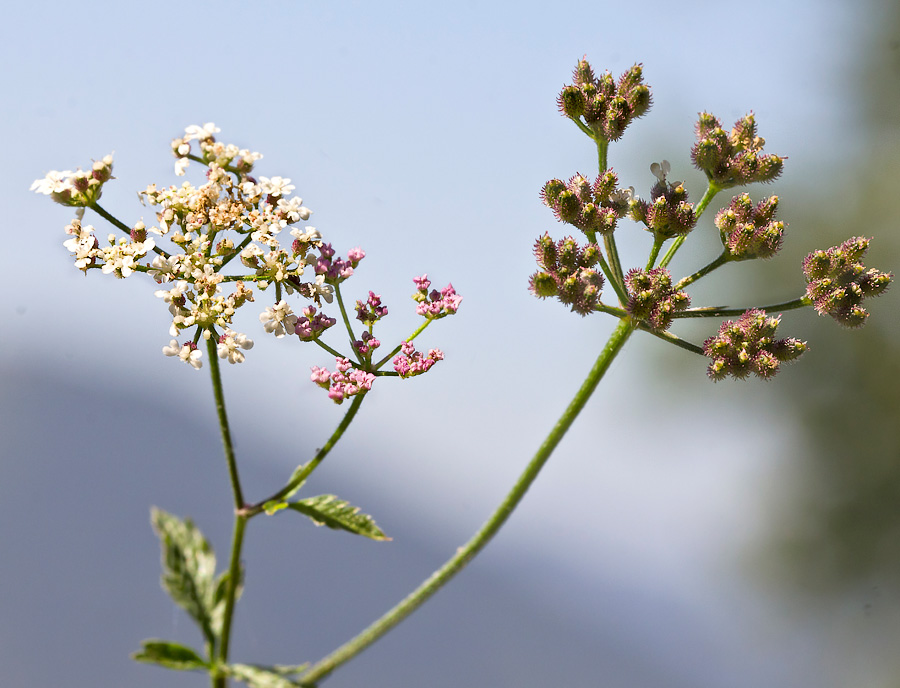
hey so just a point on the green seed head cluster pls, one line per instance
(748, 345)
(594, 207)
(838, 282)
(735, 158)
(567, 272)
(652, 298)
(605, 105)
(750, 231)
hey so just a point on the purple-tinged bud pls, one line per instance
(545, 251)
(743, 134)
(590, 255)
(639, 100)
(581, 187)
(571, 101)
(542, 285)
(706, 124)
(568, 207)
(639, 210)
(583, 73)
(748, 346)
(355, 256)
(769, 167)
(138, 233)
(605, 185)
(632, 87)
(838, 282)
(569, 253)
(80, 182)
(593, 104)
(617, 118)
(551, 192)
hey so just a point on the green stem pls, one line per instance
(216, 376)
(609, 241)
(236, 251)
(581, 125)
(658, 241)
(303, 473)
(396, 350)
(612, 310)
(617, 286)
(333, 352)
(344, 316)
(711, 192)
(234, 579)
(721, 311)
(466, 553)
(673, 339)
(717, 263)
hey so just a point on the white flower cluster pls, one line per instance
(232, 215)
(80, 188)
(211, 151)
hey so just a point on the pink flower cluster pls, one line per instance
(411, 362)
(344, 382)
(371, 311)
(337, 270)
(437, 304)
(366, 344)
(312, 324)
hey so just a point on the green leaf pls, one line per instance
(170, 655)
(265, 677)
(297, 471)
(274, 506)
(188, 568)
(220, 596)
(330, 511)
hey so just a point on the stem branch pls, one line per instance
(466, 553)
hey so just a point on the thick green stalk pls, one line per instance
(467, 552)
(216, 376)
(234, 579)
(221, 681)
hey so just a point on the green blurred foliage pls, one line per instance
(840, 524)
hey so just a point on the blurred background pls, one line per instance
(684, 533)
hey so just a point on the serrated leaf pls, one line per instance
(189, 565)
(330, 511)
(264, 677)
(170, 655)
